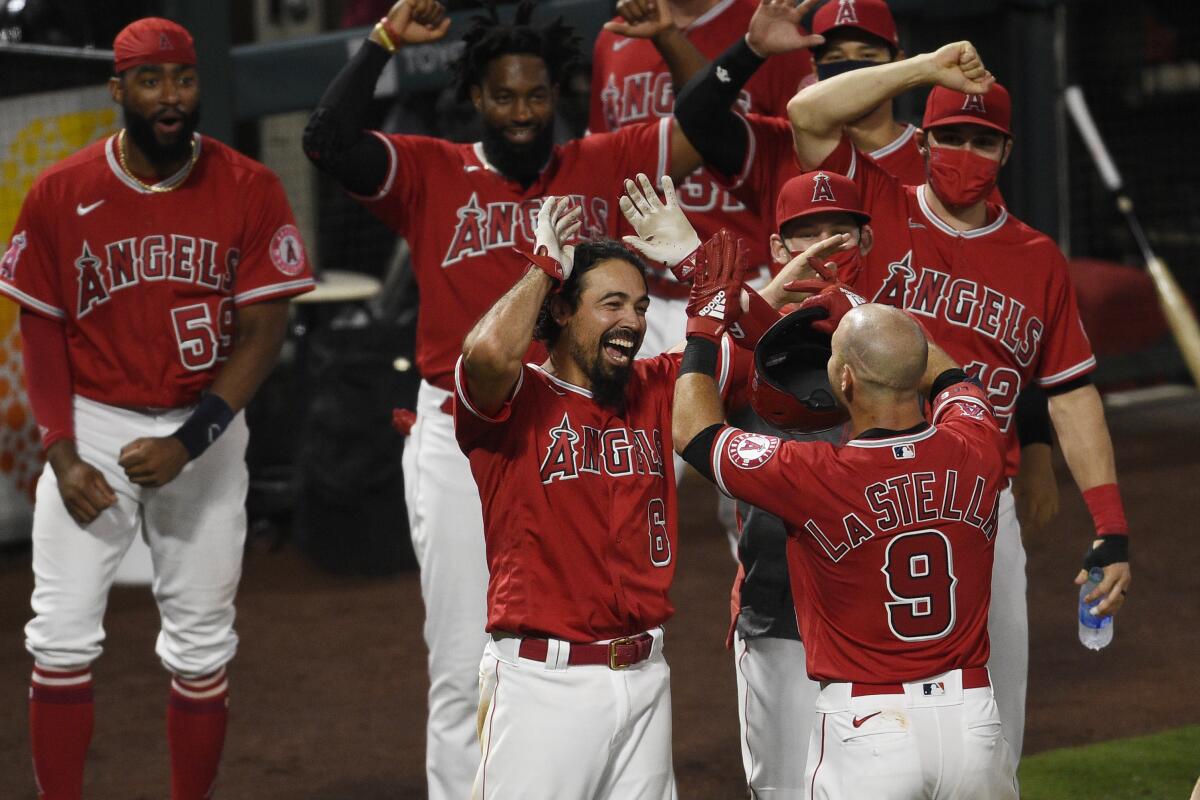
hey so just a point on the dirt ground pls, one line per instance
(328, 690)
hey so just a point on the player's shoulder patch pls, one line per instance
(8, 265)
(751, 450)
(287, 251)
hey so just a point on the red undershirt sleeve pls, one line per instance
(47, 376)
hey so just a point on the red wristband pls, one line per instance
(545, 263)
(1108, 514)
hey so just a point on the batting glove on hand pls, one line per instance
(664, 235)
(715, 301)
(831, 295)
(555, 226)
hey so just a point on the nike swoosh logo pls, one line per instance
(912, 224)
(617, 45)
(81, 209)
(858, 721)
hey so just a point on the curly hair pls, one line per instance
(487, 39)
(588, 256)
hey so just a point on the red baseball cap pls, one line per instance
(872, 16)
(152, 40)
(818, 192)
(948, 107)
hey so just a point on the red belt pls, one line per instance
(617, 654)
(973, 678)
(662, 287)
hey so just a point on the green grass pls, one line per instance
(1163, 766)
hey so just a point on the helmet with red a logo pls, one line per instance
(790, 388)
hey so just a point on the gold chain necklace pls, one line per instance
(153, 187)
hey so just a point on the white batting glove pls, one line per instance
(664, 235)
(557, 224)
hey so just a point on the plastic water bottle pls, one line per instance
(1094, 632)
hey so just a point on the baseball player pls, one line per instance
(637, 61)
(572, 459)
(853, 34)
(890, 540)
(947, 254)
(463, 207)
(153, 270)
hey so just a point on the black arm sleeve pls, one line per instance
(1033, 417)
(704, 109)
(334, 139)
(700, 447)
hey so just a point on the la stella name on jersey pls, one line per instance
(908, 499)
(963, 302)
(583, 450)
(104, 271)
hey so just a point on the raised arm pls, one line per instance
(820, 112)
(651, 19)
(335, 139)
(493, 349)
(704, 108)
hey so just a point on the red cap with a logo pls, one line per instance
(152, 40)
(818, 193)
(948, 107)
(872, 16)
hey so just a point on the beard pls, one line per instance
(519, 162)
(608, 380)
(162, 155)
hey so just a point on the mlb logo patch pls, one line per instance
(904, 451)
(937, 689)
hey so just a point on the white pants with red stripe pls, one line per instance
(1008, 626)
(936, 741)
(551, 731)
(445, 519)
(775, 708)
(195, 527)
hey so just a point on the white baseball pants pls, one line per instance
(445, 519)
(775, 709)
(195, 527)
(550, 731)
(1008, 626)
(944, 744)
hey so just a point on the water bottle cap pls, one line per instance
(1096, 575)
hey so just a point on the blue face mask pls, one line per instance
(827, 71)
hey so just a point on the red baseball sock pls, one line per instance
(196, 715)
(60, 729)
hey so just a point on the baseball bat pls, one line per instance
(1175, 306)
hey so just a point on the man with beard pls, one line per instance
(153, 270)
(462, 208)
(993, 292)
(573, 462)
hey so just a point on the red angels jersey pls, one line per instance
(148, 283)
(631, 83)
(997, 299)
(579, 503)
(462, 220)
(890, 537)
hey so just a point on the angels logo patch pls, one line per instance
(752, 450)
(287, 252)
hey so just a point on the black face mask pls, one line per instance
(827, 71)
(521, 163)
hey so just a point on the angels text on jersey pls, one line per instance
(575, 450)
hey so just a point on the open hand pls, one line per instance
(641, 19)
(775, 28)
(958, 66)
(799, 271)
(715, 300)
(557, 226)
(664, 236)
(153, 461)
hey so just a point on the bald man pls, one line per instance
(891, 537)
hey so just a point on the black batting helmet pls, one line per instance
(790, 389)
